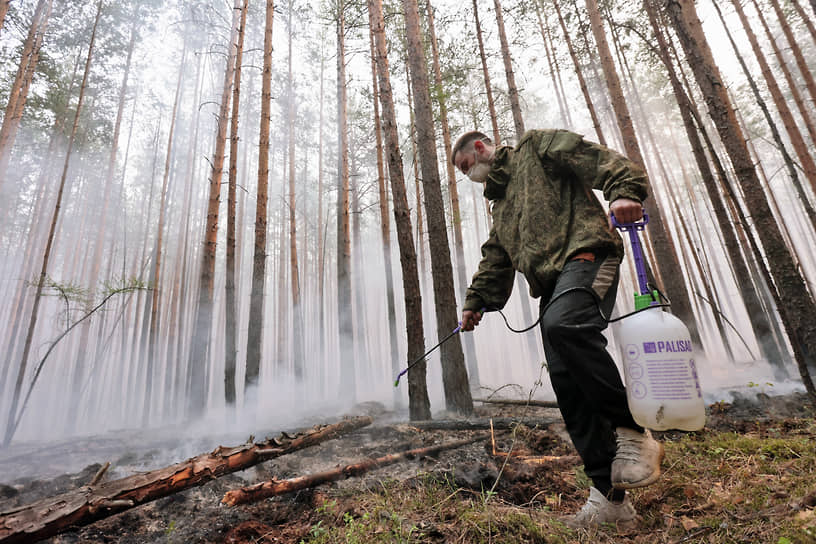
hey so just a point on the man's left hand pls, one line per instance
(626, 210)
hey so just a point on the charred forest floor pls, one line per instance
(748, 477)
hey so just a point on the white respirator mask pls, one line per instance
(478, 172)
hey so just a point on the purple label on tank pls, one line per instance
(649, 347)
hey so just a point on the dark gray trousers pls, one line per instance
(587, 384)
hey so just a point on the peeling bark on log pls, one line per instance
(275, 487)
(54, 515)
(520, 402)
(482, 424)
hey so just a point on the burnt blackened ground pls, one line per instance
(447, 482)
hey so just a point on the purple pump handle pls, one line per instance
(637, 250)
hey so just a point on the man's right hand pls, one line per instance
(470, 320)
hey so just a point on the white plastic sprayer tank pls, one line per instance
(662, 385)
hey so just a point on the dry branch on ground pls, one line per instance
(275, 487)
(53, 515)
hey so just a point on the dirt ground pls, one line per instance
(464, 478)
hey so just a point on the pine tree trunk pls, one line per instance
(321, 231)
(297, 306)
(781, 103)
(512, 89)
(156, 292)
(256, 301)
(665, 251)
(580, 74)
(798, 311)
(806, 160)
(807, 111)
(13, 421)
(804, 70)
(454, 374)
(200, 349)
(458, 241)
(807, 20)
(348, 378)
(385, 223)
(22, 81)
(230, 335)
(759, 319)
(4, 4)
(419, 406)
(550, 53)
(491, 106)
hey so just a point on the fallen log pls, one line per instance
(275, 487)
(482, 423)
(53, 515)
(520, 402)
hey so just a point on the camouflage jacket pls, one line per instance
(544, 211)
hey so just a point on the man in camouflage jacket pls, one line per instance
(548, 225)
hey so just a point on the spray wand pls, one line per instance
(420, 359)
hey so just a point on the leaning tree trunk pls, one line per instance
(806, 160)
(759, 319)
(806, 111)
(454, 374)
(661, 240)
(11, 425)
(419, 406)
(199, 354)
(804, 70)
(348, 378)
(780, 101)
(799, 307)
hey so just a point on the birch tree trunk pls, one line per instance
(13, 421)
(798, 316)
(419, 406)
(454, 374)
